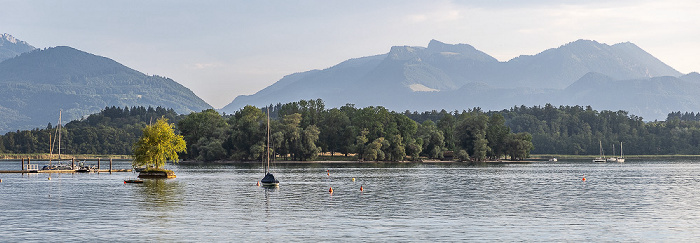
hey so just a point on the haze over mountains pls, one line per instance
(35, 85)
(458, 77)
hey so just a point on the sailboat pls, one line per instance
(613, 158)
(59, 165)
(600, 159)
(269, 179)
(621, 159)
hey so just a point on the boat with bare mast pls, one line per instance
(269, 179)
(600, 159)
(58, 165)
(621, 159)
(613, 158)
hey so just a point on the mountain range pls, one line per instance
(458, 76)
(37, 83)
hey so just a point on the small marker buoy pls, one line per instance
(330, 190)
(584, 178)
(361, 189)
(49, 178)
(257, 183)
(353, 179)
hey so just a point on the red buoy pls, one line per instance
(330, 190)
(361, 189)
(257, 183)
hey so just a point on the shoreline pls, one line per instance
(532, 159)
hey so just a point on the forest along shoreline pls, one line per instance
(308, 131)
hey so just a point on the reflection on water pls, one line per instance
(160, 194)
(634, 201)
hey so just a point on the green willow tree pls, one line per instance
(158, 144)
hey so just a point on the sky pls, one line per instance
(222, 49)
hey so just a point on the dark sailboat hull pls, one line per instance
(269, 180)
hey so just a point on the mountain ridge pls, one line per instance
(37, 84)
(441, 75)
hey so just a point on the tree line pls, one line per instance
(111, 131)
(301, 130)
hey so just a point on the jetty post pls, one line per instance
(98, 164)
(110, 165)
(72, 162)
(22, 163)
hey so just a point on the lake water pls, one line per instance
(545, 201)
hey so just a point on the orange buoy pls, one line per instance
(330, 190)
(584, 178)
(257, 183)
(361, 189)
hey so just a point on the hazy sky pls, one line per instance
(221, 49)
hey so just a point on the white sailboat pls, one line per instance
(621, 159)
(600, 159)
(613, 158)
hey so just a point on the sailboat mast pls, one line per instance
(621, 154)
(613, 151)
(268, 139)
(59, 135)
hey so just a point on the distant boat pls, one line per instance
(621, 159)
(553, 160)
(59, 165)
(83, 168)
(133, 181)
(600, 159)
(269, 179)
(612, 159)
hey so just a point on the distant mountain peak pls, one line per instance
(9, 38)
(11, 47)
(404, 52)
(465, 50)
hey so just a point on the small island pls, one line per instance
(158, 144)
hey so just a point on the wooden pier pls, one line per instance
(34, 168)
(62, 171)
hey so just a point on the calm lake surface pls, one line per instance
(544, 201)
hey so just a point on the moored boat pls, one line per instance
(133, 181)
(59, 165)
(621, 159)
(83, 168)
(269, 179)
(600, 159)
